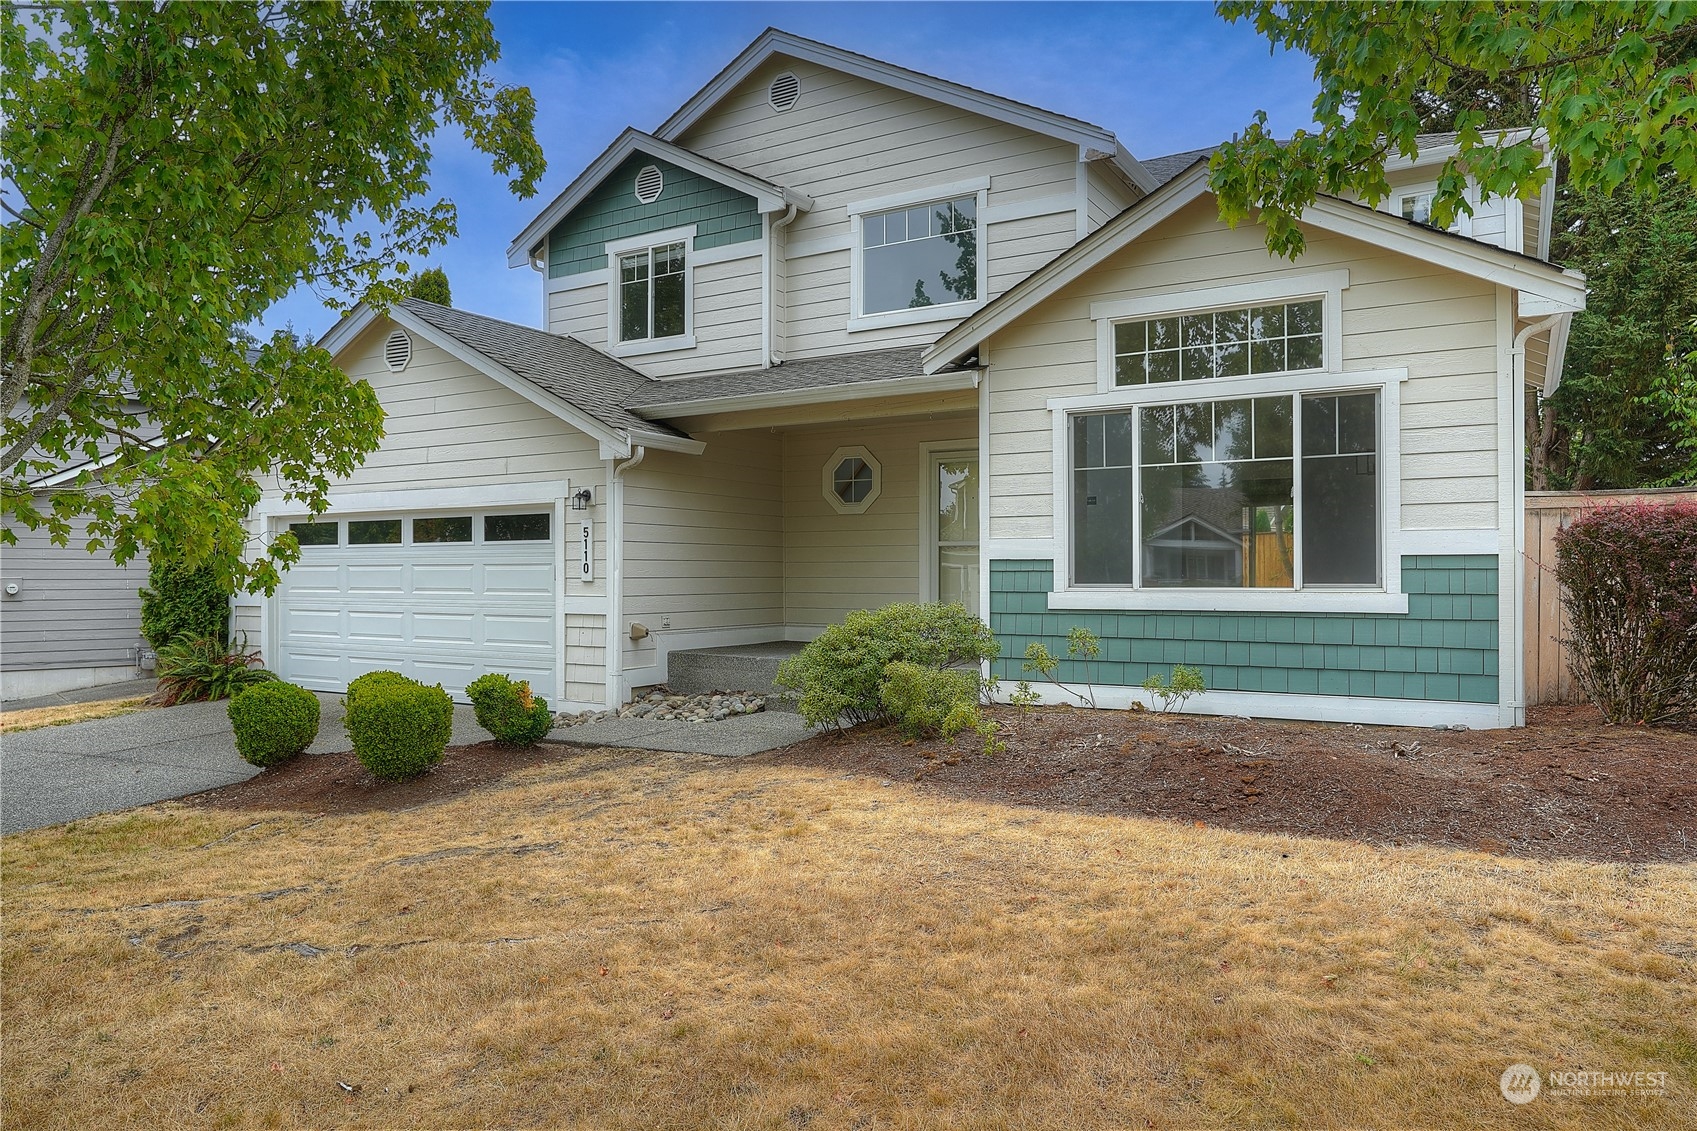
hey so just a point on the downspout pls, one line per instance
(616, 574)
(1517, 574)
(539, 264)
(772, 357)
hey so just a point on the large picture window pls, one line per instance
(1265, 492)
(919, 256)
(652, 293)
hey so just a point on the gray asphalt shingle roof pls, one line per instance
(792, 376)
(580, 375)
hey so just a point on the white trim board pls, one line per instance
(1541, 288)
(825, 394)
(1425, 713)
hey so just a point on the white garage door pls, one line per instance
(443, 598)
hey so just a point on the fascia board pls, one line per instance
(827, 394)
(499, 373)
(774, 42)
(768, 197)
(342, 334)
(1539, 285)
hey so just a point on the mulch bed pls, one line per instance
(1566, 786)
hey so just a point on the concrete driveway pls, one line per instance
(61, 773)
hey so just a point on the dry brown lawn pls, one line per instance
(664, 941)
(58, 715)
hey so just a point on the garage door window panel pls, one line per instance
(431, 530)
(374, 532)
(316, 533)
(516, 527)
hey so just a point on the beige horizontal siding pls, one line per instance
(704, 535)
(586, 650)
(835, 563)
(848, 139)
(1397, 313)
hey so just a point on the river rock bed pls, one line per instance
(662, 706)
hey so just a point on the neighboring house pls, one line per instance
(838, 334)
(68, 618)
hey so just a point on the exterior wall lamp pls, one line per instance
(582, 500)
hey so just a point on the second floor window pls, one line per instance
(651, 293)
(924, 255)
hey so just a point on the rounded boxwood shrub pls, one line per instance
(398, 726)
(273, 722)
(506, 709)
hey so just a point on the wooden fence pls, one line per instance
(1547, 677)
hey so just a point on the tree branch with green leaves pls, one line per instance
(170, 171)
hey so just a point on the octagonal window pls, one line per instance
(852, 480)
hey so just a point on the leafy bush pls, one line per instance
(273, 722)
(1629, 583)
(840, 673)
(1083, 646)
(198, 669)
(927, 702)
(398, 726)
(371, 681)
(1186, 681)
(182, 604)
(506, 709)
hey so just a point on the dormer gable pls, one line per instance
(608, 198)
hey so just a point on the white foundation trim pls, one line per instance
(1277, 705)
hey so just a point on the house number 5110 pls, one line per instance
(586, 551)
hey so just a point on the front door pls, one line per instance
(954, 554)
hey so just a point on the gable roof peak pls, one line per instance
(1094, 142)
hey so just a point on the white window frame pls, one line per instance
(1328, 286)
(859, 320)
(615, 250)
(1463, 221)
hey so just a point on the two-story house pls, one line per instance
(837, 334)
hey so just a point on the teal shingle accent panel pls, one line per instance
(1445, 648)
(721, 214)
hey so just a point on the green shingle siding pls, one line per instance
(721, 216)
(1444, 648)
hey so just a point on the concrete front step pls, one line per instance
(739, 667)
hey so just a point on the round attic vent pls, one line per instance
(397, 351)
(649, 182)
(786, 88)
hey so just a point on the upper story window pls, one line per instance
(651, 293)
(1278, 338)
(1417, 206)
(649, 299)
(919, 256)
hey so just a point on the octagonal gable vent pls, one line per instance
(649, 182)
(397, 351)
(785, 89)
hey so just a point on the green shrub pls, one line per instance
(934, 702)
(198, 669)
(398, 726)
(1186, 681)
(371, 681)
(273, 722)
(840, 673)
(183, 604)
(506, 709)
(1629, 583)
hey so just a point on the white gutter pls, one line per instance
(824, 394)
(772, 357)
(615, 631)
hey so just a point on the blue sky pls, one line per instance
(1163, 77)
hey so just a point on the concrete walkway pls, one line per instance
(126, 689)
(62, 773)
